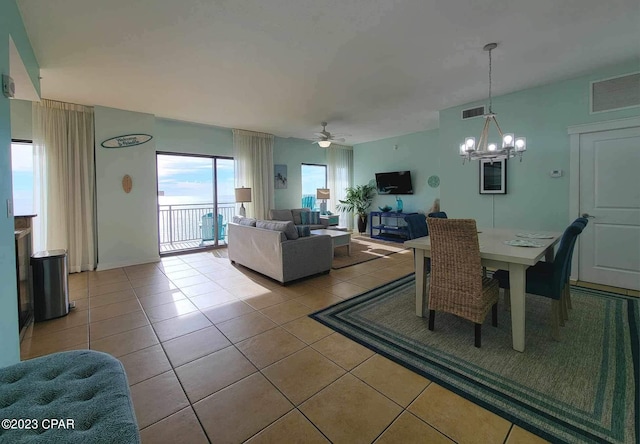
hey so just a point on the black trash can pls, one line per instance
(49, 272)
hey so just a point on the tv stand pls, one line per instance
(392, 229)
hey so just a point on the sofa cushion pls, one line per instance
(303, 230)
(248, 221)
(280, 215)
(286, 227)
(310, 218)
(297, 218)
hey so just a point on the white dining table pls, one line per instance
(494, 253)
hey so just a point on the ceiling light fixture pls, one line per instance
(511, 145)
(324, 143)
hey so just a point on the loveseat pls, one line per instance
(300, 216)
(275, 249)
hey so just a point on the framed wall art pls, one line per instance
(280, 177)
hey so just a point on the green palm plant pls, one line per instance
(358, 200)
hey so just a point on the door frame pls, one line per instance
(574, 170)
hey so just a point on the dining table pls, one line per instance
(495, 254)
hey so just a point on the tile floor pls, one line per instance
(217, 353)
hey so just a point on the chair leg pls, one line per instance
(567, 290)
(563, 311)
(484, 271)
(555, 319)
(478, 334)
(494, 315)
(432, 318)
(507, 299)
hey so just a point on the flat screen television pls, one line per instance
(397, 182)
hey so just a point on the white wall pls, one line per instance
(127, 223)
(21, 120)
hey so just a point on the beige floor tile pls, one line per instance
(292, 428)
(109, 288)
(141, 274)
(207, 300)
(55, 341)
(176, 275)
(286, 312)
(207, 375)
(126, 342)
(346, 290)
(150, 280)
(112, 298)
(190, 281)
(319, 299)
(236, 413)
(324, 281)
(145, 364)
(142, 292)
(81, 304)
(349, 411)
(518, 435)
(408, 429)
(147, 393)
(113, 310)
(78, 294)
(245, 326)
(181, 325)
(270, 346)
(235, 282)
(295, 290)
(118, 324)
(203, 288)
(167, 267)
(346, 273)
(170, 310)
(343, 351)
(161, 298)
(96, 278)
(266, 298)
(195, 345)
(302, 374)
(226, 311)
(307, 329)
(443, 410)
(75, 318)
(368, 281)
(181, 427)
(391, 379)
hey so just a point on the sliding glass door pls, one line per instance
(195, 201)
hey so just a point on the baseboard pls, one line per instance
(112, 265)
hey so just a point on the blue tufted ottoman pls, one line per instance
(70, 397)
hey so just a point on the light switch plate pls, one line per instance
(9, 208)
(555, 173)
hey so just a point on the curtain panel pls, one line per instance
(339, 177)
(253, 160)
(63, 140)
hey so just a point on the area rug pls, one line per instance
(364, 249)
(583, 388)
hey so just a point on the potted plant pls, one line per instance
(358, 201)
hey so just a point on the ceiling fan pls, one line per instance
(324, 138)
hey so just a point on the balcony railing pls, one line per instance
(183, 222)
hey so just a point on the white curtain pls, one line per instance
(339, 175)
(253, 159)
(63, 140)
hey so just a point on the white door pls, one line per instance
(610, 193)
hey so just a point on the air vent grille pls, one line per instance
(615, 93)
(472, 112)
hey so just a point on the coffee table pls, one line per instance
(338, 238)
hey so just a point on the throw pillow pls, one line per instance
(248, 221)
(303, 230)
(280, 215)
(296, 213)
(314, 219)
(305, 216)
(286, 227)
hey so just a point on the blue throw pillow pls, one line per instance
(303, 230)
(314, 218)
(305, 217)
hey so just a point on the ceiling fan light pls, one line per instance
(324, 143)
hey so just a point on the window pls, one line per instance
(313, 177)
(22, 176)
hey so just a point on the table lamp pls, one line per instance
(243, 195)
(323, 194)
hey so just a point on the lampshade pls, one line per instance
(243, 194)
(323, 193)
(324, 143)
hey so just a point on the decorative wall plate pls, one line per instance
(433, 181)
(127, 183)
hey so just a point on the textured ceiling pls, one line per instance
(371, 68)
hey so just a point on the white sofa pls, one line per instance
(269, 252)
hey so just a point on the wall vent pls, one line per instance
(615, 93)
(472, 112)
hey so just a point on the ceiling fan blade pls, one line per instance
(320, 134)
(315, 141)
(340, 135)
(339, 140)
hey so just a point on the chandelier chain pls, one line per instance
(490, 100)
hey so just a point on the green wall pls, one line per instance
(417, 152)
(10, 25)
(21, 120)
(542, 115)
(293, 153)
(183, 137)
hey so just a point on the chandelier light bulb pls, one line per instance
(521, 144)
(463, 148)
(507, 140)
(492, 147)
(470, 142)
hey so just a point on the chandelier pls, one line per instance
(511, 146)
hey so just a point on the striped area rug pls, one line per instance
(584, 388)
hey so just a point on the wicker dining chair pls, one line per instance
(457, 285)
